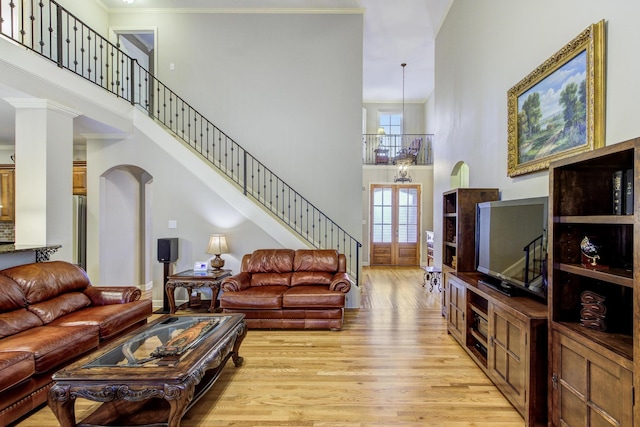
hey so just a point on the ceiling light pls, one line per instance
(128, 1)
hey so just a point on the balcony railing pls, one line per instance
(51, 31)
(374, 146)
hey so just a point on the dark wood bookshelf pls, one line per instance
(585, 357)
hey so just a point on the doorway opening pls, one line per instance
(141, 45)
(459, 175)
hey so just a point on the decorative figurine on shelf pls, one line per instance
(591, 254)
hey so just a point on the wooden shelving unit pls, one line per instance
(459, 230)
(592, 370)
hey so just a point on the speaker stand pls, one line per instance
(168, 271)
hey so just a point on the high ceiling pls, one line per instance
(395, 32)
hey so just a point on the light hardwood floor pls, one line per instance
(393, 364)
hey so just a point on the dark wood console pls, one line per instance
(506, 337)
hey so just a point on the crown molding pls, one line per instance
(257, 11)
(20, 103)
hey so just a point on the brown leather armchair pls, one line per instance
(283, 288)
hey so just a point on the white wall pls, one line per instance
(318, 85)
(485, 48)
(283, 85)
(92, 13)
(181, 192)
(414, 115)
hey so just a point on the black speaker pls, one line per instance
(168, 249)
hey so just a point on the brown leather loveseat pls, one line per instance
(50, 315)
(283, 288)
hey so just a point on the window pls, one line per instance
(392, 125)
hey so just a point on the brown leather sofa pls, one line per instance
(283, 288)
(49, 316)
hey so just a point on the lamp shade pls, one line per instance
(217, 244)
(381, 131)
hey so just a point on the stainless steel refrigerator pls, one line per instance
(80, 231)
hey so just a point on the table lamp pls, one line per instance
(217, 246)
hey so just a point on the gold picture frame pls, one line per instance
(554, 113)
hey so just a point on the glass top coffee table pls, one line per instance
(152, 376)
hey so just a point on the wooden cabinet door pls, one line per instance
(7, 196)
(507, 358)
(79, 178)
(589, 388)
(457, 308)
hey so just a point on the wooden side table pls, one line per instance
(432, 276)
(382, 156)
(191, 280)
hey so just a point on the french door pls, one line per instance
(395, 224)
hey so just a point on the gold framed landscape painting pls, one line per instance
(558, 109)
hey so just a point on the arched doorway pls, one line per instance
(125, 226)
(460, 175)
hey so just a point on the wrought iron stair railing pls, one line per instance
(48, 29)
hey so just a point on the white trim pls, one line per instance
(42, 103)
(106, 136)
(114, 31)
(260, 11)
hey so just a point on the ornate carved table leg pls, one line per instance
(62, 405)
(242, 332)
(170, 290)
(215, 290)
(178, 398)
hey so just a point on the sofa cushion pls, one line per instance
(270, 261)
(44, 280)
(11, 295)
(312, 296)
(316, 260)
(311, 278)
(52, 346)
(17, 321)
(110, 319)
(15, 367)
(59, 306)
(271, 279)
(258, 297)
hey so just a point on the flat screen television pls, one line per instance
(511, 242)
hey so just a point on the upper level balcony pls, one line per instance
(400, 148)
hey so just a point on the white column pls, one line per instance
(44, 174)
(96, 205)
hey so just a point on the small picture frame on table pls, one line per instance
(199, 266)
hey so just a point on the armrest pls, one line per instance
(340, 282)
(105, 295)
(236, 283)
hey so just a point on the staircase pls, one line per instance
(51, 31)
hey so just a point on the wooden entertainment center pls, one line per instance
(505, 336)
(569, 362)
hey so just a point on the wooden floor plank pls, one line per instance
(393, 364)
